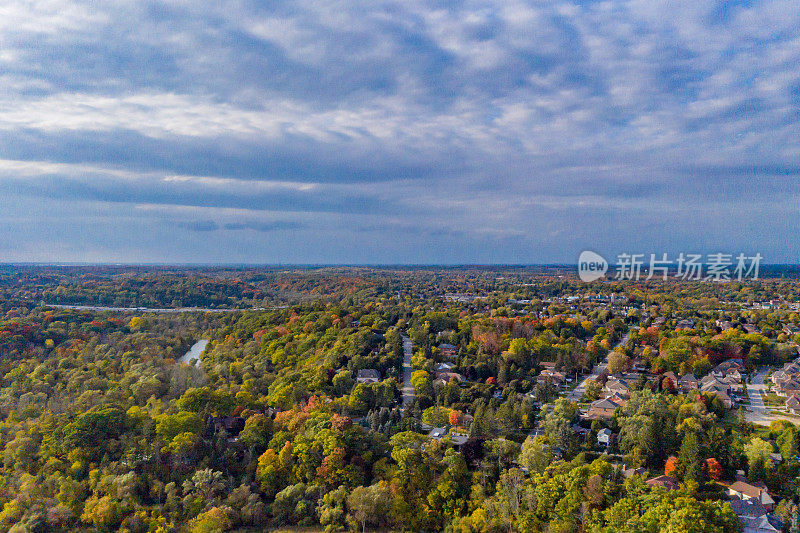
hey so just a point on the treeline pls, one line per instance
(102, 430)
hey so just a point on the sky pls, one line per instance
(383, 132)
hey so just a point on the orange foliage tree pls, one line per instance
(670, 465)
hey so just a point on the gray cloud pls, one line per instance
(278, 225)
(417, 131)
(199, 225)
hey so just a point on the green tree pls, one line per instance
(370, 504)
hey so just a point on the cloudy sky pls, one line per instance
(397, 132)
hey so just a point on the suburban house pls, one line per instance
(368, 375)
(617, 386)
(726, 399)
(793, 405)
(724, 325)
(448, 350)
(604, 436)
(671, 377)
(712, 384)
(227, 426)
(733, 368)
(555, 377)
(686, 323)
(688, 382)
(459, 440)
(603, 409)
(448, 376)
(444, 367)
(437, 433)
(791, 329)
(753, 516)
(789, 371)
(746, 491)
(630, 472)
(790, 387)
(665, 482)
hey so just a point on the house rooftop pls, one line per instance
(751, 508)
(666, 482)
(747, 489)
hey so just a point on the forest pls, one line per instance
(294, 415)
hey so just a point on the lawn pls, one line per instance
(773, 400)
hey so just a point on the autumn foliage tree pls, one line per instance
(670, 466)
(714, 469)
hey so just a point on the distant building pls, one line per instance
(604, 436)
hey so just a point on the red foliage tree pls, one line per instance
(714, 469)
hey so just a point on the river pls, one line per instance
(194, 352)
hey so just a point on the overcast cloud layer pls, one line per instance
(397, 132)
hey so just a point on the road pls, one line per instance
(408, 390)
(759, 413)
(577, 392)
